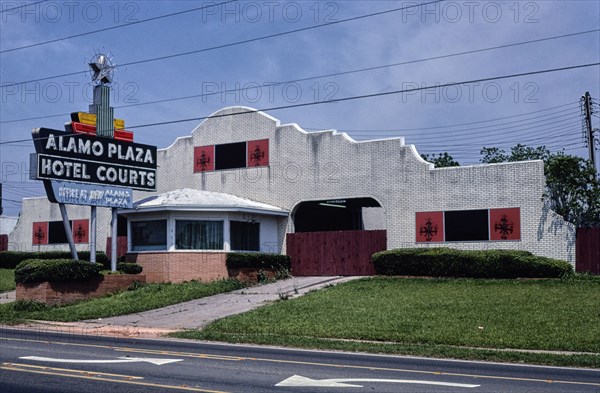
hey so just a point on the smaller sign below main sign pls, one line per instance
(92, 195)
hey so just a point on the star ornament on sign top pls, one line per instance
(102, 69)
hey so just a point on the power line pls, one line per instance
(394, 92)
(361, 70)
(369, 68)
(477, 150)
(559, 132)
(115, 27)
(461, 137)
(352, 98)
(467, 130)
(545, 139)
(548, 124)
(238, 42)
(404, 130)
(308, 78)
(462, 124)
(22, 6)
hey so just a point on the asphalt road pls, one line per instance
(49, 362)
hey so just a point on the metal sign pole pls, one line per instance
(113, 241)
(68, 231)
(93, 235)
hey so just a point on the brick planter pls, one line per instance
(57, 293)
(181, 266)
(250, 274)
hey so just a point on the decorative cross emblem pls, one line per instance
(429, 230)
(505, 227)
(80, 234)
(257, 155)
(39, 235)
(203, 161)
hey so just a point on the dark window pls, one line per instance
(199, 235)
(56, 232)
(149, 235)
(121, 226)
(230, 156)
(466, 225)
(245, 236)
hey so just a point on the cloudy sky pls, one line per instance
(181, 60)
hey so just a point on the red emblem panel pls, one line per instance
(39, 233)
(204, 159)
(429, 227)
(258, 153)
(81, 232)
(505, 224)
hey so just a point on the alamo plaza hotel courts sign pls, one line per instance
(95, 161)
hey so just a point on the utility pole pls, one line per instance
(1, 209)
(587, 107)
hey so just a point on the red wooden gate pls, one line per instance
(587, 254)
(3, 242)
(340, 253)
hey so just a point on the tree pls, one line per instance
(440, 160)
(519, 152)
(573, 189)
(572, 186)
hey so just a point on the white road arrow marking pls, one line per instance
(298, 380)
(158, 362)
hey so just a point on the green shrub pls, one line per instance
(129, 268)
(54, 270)
(446, 262)
(10, 259)
(29, 306)
(257, 260)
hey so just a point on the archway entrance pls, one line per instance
(336, 237)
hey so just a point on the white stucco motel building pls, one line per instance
(244, 182)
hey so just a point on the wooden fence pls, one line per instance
(587, 255)
(343, 253)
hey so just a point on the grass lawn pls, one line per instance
(7, 280)
(147, 297)
(441, 317)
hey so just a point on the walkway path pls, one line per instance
(7, 297)
(195, 314)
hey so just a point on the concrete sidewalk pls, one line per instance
(194, 314)
(7, 297)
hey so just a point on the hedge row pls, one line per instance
(256, 260)
(446, 262)
(129, 268)
(40, 270)
(10, 259)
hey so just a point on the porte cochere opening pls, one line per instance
(336, 236)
